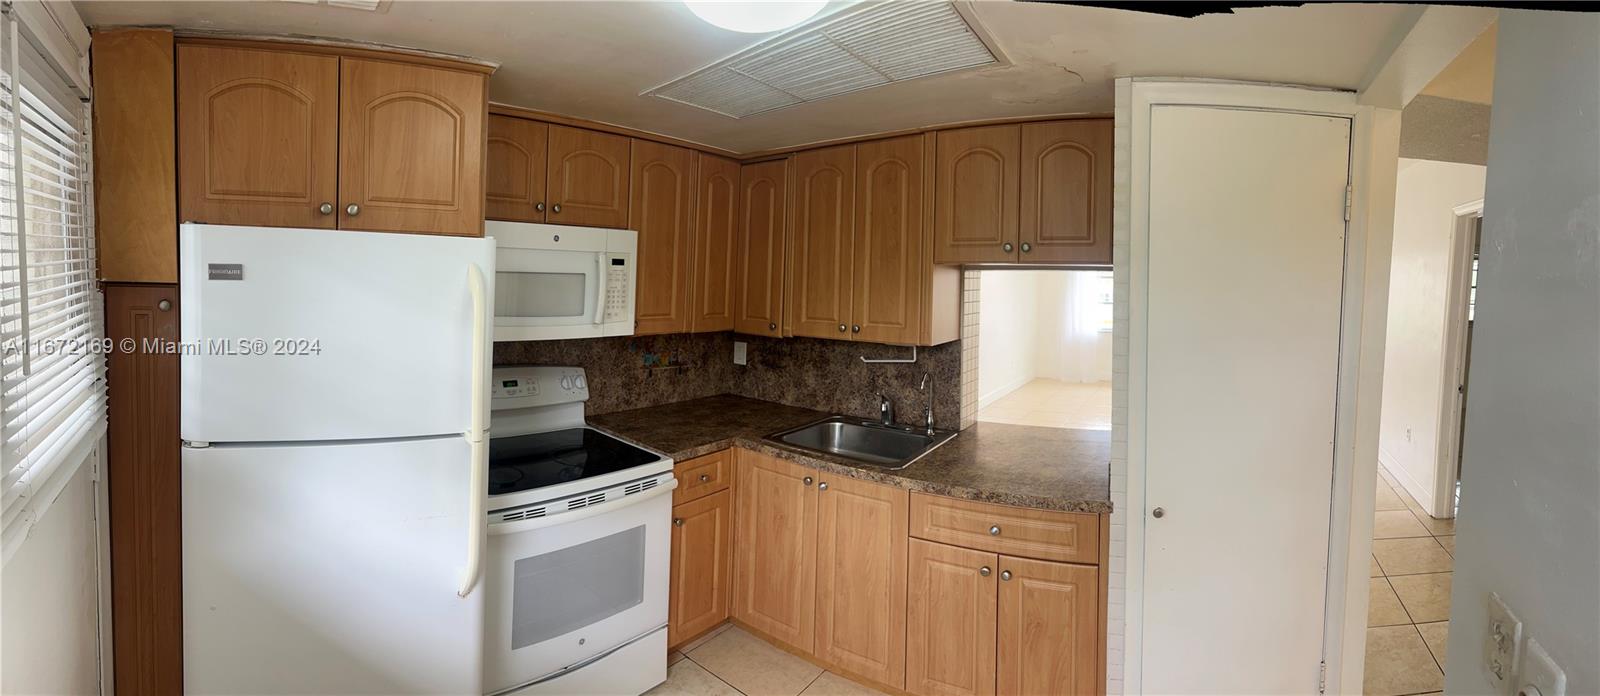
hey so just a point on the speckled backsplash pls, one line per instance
(635, 372)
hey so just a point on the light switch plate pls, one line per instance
(739, 352)
(1541, 676)
(1501, 646)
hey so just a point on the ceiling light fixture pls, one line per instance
(755, 16)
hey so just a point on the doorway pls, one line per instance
(1045, 345)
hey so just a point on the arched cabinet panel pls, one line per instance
(587, 178)
(822, 244)
(514, 182)
(1066, 192)
(662, 213)
(975, 194)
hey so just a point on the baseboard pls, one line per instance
(987, 400)
(1419, 492)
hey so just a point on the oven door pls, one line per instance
(566, 588)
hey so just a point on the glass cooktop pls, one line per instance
(524, 462)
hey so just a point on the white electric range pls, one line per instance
(579, 545)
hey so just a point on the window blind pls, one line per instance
(52, 368)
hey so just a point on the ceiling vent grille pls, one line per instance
(886, 42)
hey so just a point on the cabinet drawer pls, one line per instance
(1044, 534)
(702, 476)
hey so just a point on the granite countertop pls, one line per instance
(1027, 466)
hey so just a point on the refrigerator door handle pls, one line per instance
(600, 288)
(477, 516)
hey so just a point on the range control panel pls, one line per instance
(524, 386)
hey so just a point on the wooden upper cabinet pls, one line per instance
(976, 195)
(1066, 192)
(1049, 628)
(411, 142)
(662, 213)
(514, 179)
(135, 168)
(821, 245)
(775, 559)
(587, 178)
(951, 607)
(861, 578)
(759, 273)
(891, 242)
(716, 233)
(702, 548)
(258, 137)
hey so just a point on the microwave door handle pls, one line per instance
(477, 516)
(600, 288)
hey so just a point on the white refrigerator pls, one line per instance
(334, 463)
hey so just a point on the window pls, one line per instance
(1105, 293)
(52, 370)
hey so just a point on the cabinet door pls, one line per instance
(890, 283)
(758, 282)
(702, 547)
(775, 562)
(1066, 192)
(950, 615)
(514, 179)
(587, 178)
(663, 214)
(1049, 628)
(143, 473)
(716, 231)
(135, 171)
(820, 243)
(861, 578)
(258, 137)
(411, 142)
(975, 195)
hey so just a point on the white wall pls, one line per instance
(1530, 483)
(1022, 334)
(49, 640)
(1060, 357)
(1426, 193)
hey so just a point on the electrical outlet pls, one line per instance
(1501, 646)
(1541, 676)
(739, 352)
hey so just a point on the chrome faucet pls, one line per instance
(885, 410)
(927, 413)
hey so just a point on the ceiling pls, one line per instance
(593, 59)
(1470, 77)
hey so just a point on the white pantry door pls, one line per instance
(1246, 264)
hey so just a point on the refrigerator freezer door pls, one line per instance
(301, 335)
(329, 569)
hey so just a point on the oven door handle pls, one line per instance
(582, 513)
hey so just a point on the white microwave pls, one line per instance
(559, 281)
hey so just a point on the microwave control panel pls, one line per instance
(618, 294)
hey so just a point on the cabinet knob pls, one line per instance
(841, 328)
(677, 521)
(984, 571)
(1005, 575)
(806, 480)
(855, 329)
(994, 531)
(556, 208)
(772, 327)
(352, 210)
(705, 477)
(1006, 247)
(538, 207)
(1026, 247)
(325, 208)
(822, 486)
(164, 305)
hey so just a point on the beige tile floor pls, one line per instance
(729, 661)
(1409, 610)
(1054, 404)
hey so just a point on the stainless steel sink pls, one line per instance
(890, 447)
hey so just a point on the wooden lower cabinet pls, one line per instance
(861, 578)
(702, 547)
(950, 620)
(775, 559)
(1049, 628)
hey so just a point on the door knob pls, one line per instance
(352, 210)
(325, 208)
(556, 208)
(1158, 513)
(1026, 247)
(677, 521)
(806, 480)
(1007, 247)
(984, 571)
(538, 207)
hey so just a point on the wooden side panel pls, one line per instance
(513, 182)
(144, 487)
(135, 167)
(411, 142)
(702, 553)
(1066, 192)
(861, 578)
(1047, 534)
(950, 620)
(976, 194)
(587, 178)
(1048, 628)
(759, 279)
(716, 232)
(887, 292)
(775, 560)
(662, 213)
(821, 243)
(258, 137)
